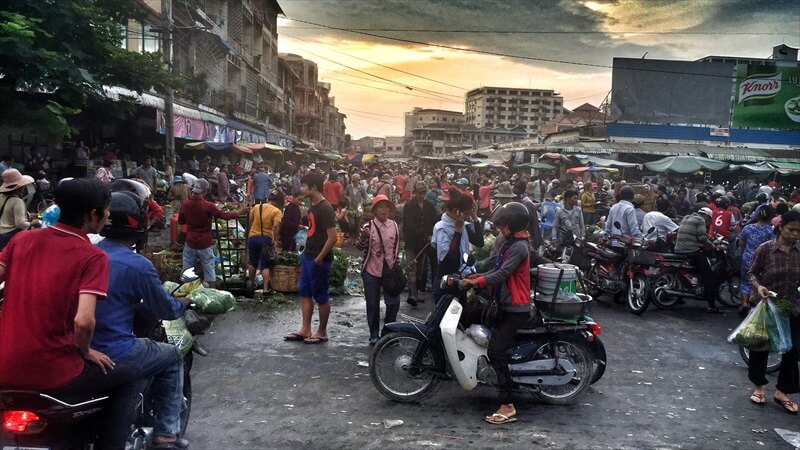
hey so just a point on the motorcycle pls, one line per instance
(606, 269)
(37, 421)
(674, 278)
(554, 360)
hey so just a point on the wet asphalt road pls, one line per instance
(672, 382)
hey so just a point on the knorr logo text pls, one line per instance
(760, 87)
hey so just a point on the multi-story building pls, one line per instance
(395, 145)
(582, 116)
(332, 127)
(440, 132)
(505, 107)
(307, 100)
(368, 144)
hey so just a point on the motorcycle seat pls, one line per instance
(675, 256)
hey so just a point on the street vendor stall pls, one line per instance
(685, 164)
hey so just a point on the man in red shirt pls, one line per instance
(399, 183)
(196, 213)
(48, 317)
(721, 219)
(333, 191)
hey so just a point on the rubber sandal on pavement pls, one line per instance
(315, 340)
(499, 419)
(758, 399)
(788, 405)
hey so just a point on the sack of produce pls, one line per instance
(212, 301)
(178, 334)
(184, 290)
(752, 332)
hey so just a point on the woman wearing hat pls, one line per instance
(380, 240)
(384, 186)
(179, 192)
(13, 212)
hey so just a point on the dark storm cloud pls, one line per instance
(537, 15)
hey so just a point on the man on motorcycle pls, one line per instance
(510, 280)
(40, 348)
(135, 288)
(623, 213)
(693, 241)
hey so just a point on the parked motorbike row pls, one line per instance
(36, 420)
(639, 272)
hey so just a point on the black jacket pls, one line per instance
(418, 223)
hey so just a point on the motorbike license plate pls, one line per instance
(14, 447)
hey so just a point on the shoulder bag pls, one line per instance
(268, 253)
(393, 280)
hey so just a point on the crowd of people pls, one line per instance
(421, 219)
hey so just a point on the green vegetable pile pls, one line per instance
(784, 306)
(338, 269)
(291, 259)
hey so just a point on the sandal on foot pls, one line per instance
(758, 399)
(499, 419)
(295, 337)
(315, 340)
(788, 405)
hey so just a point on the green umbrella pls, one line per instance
(537, 166)
(685, 164)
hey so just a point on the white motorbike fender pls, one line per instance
(455, 341)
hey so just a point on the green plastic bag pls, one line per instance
(212, 301)
(752, 333)
(178, 335)
(779, 330)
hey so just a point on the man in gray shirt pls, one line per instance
(570, 217)
(147, 173)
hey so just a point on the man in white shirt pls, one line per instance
(657, 219)
(624, 213)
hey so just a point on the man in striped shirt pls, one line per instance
(693, 241)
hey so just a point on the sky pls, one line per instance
(568, 46)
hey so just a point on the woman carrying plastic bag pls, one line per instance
(776, 267)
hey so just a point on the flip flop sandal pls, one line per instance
(295, 337)
(499, 419)
(315, 340)
(788, 405)
(758, 399)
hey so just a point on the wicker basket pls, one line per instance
(168, 264)
(285, 279)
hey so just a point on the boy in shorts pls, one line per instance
(315, 262)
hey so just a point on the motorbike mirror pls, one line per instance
(652, 229)
(189, 275)
(617, 225)
(469, 259)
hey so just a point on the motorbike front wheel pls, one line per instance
(391, 371)
(728, 293)
(773, 362)
(581, 358)
(638, 294)
(668, 280)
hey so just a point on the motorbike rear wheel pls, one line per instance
(389, 366)
(638, 294)
(578, 353)
(591, 279)
(599, 353)
(773, 362)
(670, 281)
(187, 392)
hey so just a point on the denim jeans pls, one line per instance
(164, 364)
(206, 258)
(372, 294)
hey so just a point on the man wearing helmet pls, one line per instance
(693, 241)
(135, 289)
(510, 280)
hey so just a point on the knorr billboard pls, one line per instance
(767, 96)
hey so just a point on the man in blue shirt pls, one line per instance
(262, 184)
(624, 213)
(134, 286)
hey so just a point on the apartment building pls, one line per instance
(512, 108)
(440, 132)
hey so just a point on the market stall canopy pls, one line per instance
(361, 158)
(332, 156)
(265, 146)
(685, 164)
(786, 167)
(490, 163)
(536, 165)
(603, 162)
(762, 168)
(592, 169)
(554, 157)
(217, 147)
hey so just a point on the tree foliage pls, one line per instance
(55, 56)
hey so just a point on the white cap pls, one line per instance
(706, 211)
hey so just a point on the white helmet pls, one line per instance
(706, 211)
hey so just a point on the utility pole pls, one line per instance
(169, 114)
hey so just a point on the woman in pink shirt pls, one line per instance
(380, 240)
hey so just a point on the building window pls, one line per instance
(150, 41)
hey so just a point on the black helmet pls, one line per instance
(127, 216)
(514, 215)
(626, 193)
(138, 188)
(723, 202)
